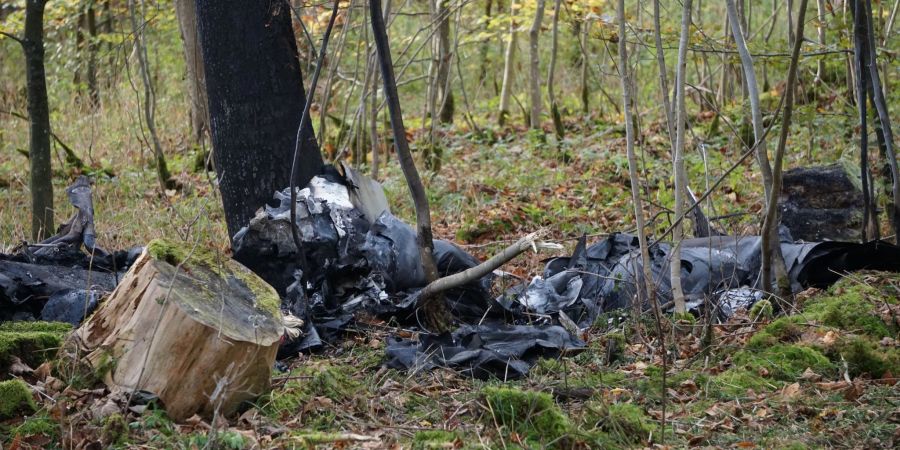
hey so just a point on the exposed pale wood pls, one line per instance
(180, 331)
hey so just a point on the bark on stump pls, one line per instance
(198, 331)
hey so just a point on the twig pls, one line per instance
(474, 273)
(13, 37)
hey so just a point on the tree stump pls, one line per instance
(199, 331)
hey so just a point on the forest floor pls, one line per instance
(821, 376)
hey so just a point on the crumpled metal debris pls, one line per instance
(482, 351)
(42, 281)
(713, 268)
(354, 261)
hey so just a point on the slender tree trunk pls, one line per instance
(534, 35)
(663, 81)
(253, 71)
(41, 181)
(646, 290)
(861, 56)
(678, 157)
(554, 108)
(885, 133)
(583, 79)
(140, 46)
(442, 73)
(93, 84)
(508, 62)
(770, 224)
(762, 157)
(485, 45)
(820, 31)
(186, 11)
(434, 308)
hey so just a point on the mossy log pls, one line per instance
(199, 331)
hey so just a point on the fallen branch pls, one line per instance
(458, 279)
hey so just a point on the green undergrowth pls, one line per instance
(38, 424)
(434, 439)
(537, 421)
(15, 399)
(533, 415)
(320, 383)
(857, 310)
(32, 342)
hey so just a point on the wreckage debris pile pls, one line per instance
(358, 257)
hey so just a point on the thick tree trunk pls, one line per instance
(256, 99)
(534, 36)
(186, 11)
(39, 116)
(199, 331)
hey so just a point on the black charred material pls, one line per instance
(494, 350)
(26, 288)
(256, 99)
(821, 204)
(712, 269)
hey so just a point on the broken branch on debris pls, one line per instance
(475, 273)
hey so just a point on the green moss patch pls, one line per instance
(15, 399)
(784, 362)
(864, 356)
(32, 342)
(624, 423)
(735, 382)
(38, 425)
(762, 310)
(434, 439)
(174, 254)
(851, 306)
(530, 414)
(335, 383)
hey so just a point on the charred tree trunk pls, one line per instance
(434, 308)
(39, 116)
(256, 100)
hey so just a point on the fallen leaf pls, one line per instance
(809, 375)
(791, 390)
(689, 386)
(830, 338)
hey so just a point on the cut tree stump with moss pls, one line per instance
(198, 330)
